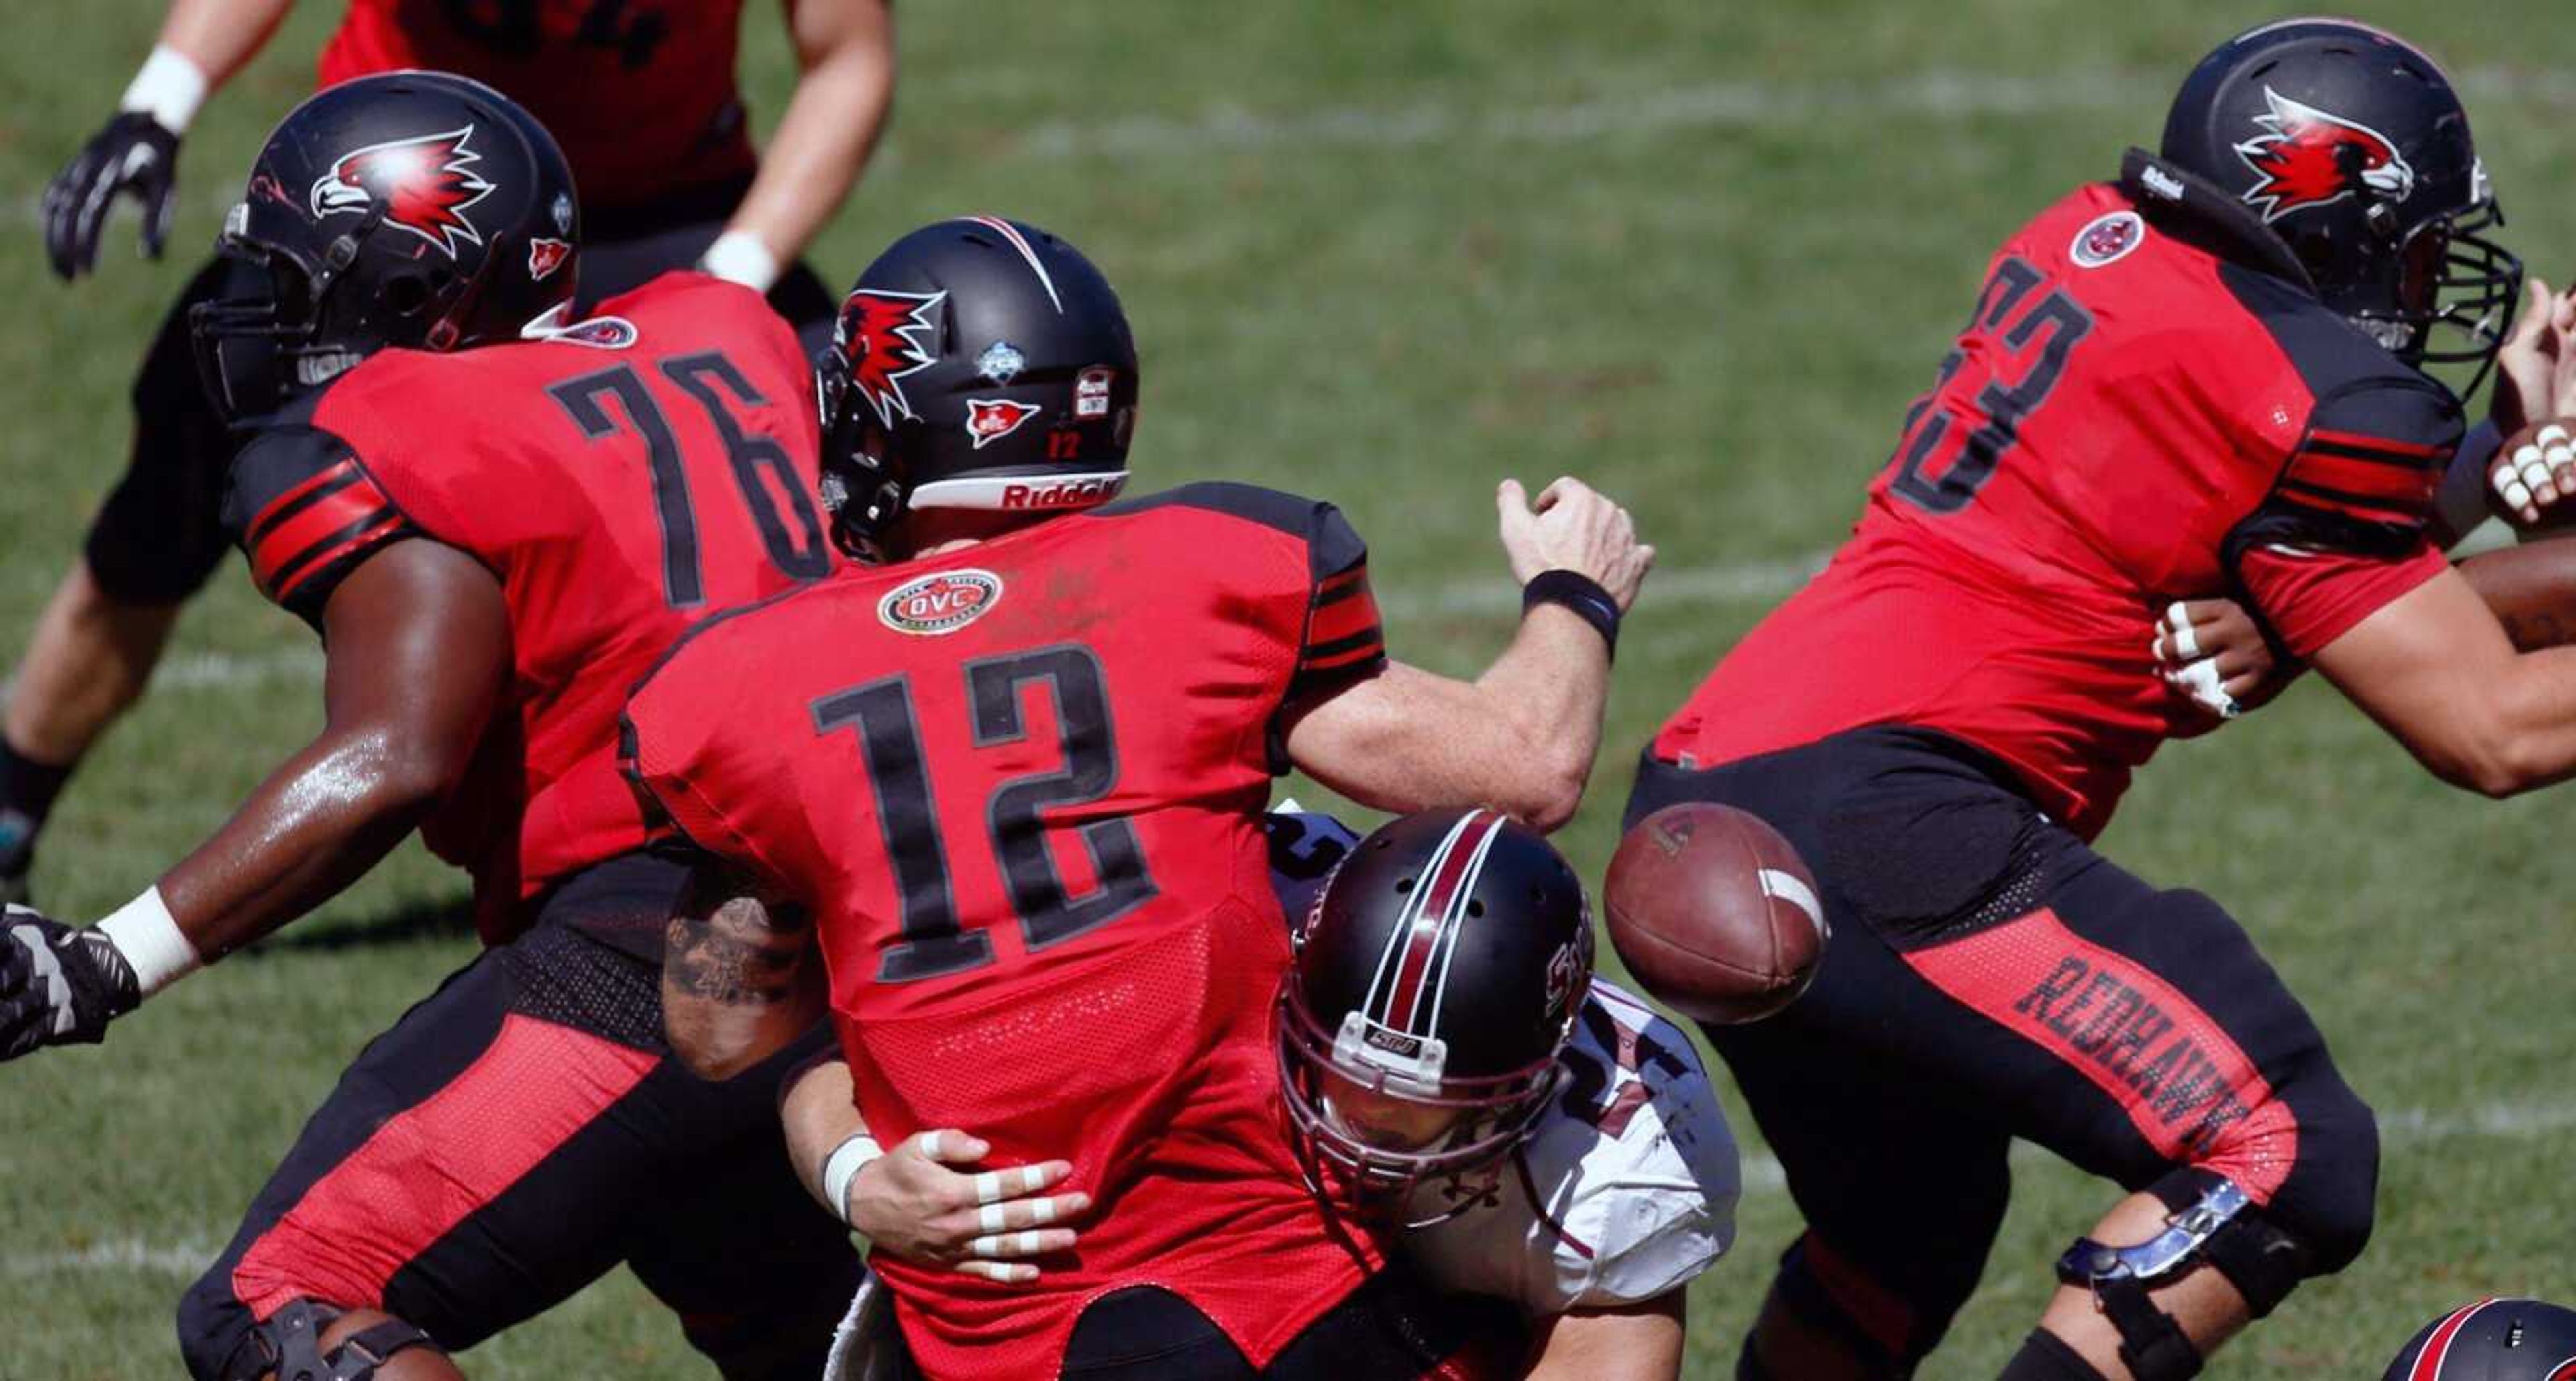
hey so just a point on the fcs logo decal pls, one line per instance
(991, 419)
(545, 256)
(941, 603)
(2310, 158)
(425, 182)
(883, 338)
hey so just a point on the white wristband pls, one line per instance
(144, 931)
(738, 256)
(169, 88)
(843, 1166)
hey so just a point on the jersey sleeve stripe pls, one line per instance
(294, 501)
(289, 544)
(2359, 441)
(2353, 505)
(1373, 650)
(2364, 479)
(1338, 621)
(335, 550)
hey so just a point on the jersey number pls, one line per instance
(798, 555)
(881, 713)
(2066, 324)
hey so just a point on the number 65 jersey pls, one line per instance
(622, 478)
(1021, 786)
(2148, 402)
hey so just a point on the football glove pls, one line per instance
(58, 985)
(134, 153)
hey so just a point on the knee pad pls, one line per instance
(290, 1346)
(2212, 1224)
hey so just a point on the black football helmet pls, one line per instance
(1441, 968)
(978, 363)
(2492, 1340)
(2350, 145)
(413, 209)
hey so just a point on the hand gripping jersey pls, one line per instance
(2144, 405)
(1626, 1189)
(640, 93)
(623, 478)
(1021, 785)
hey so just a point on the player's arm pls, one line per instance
(2436, 669)
(845, 51)
(918, 1201)
(740, 978)
(419, 656)
(1624, 1342)
(1521, 738)
(202, 44)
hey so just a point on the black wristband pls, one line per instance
(1580, 593)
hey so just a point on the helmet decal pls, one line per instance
(991, 419)
(882, 337)
(2308, 157)
(546, 255)
(426, 183)
(1020, 242)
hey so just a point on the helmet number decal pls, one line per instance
(883, 717)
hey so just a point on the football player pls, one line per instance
(1539, 1135)
(1018, 777)
(497, 520)
(640, 93)
(2203, 375)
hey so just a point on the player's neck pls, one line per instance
(938, 531)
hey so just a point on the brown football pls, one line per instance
(1714, 913)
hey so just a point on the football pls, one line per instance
(1714, 913)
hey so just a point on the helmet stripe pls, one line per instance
(2437, 1347)
(1408, 917)
(1019, 242)
(1458, 921)
(1445, 890)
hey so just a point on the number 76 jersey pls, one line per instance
(1021, 785)
(622, 478)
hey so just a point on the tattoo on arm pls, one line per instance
(743, 953)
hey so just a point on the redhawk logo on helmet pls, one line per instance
(2311, 158)
(425, 183)
(885, 337)
(545, 256)
(991, 419)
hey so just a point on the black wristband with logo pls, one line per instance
(1580, 593)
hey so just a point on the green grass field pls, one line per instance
(1699, 253)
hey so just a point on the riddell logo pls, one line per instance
(941, 603)
(1067, 494)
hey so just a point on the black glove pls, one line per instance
(58, 985)
(133, 154)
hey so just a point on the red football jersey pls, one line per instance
(623, 478)
(640, 93)
(2140, 408)
(1022, 786)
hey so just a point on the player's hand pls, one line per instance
(1572, 526)
(58, 985)
(981, 1223)
(2527, 364)
(2210, 652)
(133, 154)
(2534, 473)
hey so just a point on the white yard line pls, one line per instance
(1726, 583)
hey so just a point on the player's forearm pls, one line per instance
(830, 128)
(315, 826)
(737, 986)
(221, 36)
(818, 1114)
(1546, 695)
(2532, 590)
(1636, 1342)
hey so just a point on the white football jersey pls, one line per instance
(1628, 1186)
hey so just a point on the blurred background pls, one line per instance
(1700, 254)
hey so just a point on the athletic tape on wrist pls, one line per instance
(738, 256)
(169, 88)
(843, 1166)
(144, 931)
